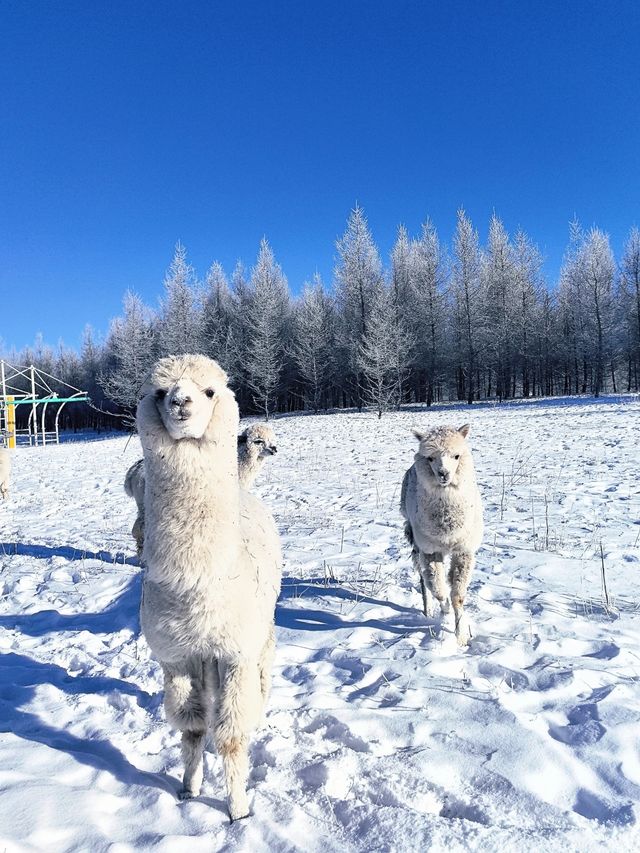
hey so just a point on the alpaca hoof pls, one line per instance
(187, 794)
(238, 808)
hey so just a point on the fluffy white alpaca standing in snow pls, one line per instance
(256, 444)
(212, 556)
(5, 472)
(441, 503)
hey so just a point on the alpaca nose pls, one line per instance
(180, 401)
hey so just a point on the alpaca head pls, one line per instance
(443, 452)
(259, 441)
(189, 397)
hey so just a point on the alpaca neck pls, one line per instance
(192, 501)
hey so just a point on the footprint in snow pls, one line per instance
(498, 675)
(584, 726)
(338, 732)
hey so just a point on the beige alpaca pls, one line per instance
(441, 503)
(256, 444)
(212, 556)
(134, 487)
(5, 472)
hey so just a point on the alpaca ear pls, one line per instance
(464, 430)
(418, 433)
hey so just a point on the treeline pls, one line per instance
(467, 323)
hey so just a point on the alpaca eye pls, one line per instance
(429, 458)
(258, 441)
(457, 456)
(161, 394)
(209, 392)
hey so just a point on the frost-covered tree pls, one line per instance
(599, 271)
(180, 319)
(586, 299)
(383, 354)
(129, 352)
(218, 315)
(425, 311)
(401, 268)
(630, 302)
(466, 293)
(267, 312)
(358, 280)
(498, 306)
(314, 341)
(527, 263)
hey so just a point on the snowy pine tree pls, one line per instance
(314, 341)
(129, 353)
(180, 319)
(267, 313)
(383, 354)
(358, 278)
(468, 306)
(425, 311)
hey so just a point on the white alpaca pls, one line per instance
(5, 472)
(441, 503)
(256, 444)
(212, 556)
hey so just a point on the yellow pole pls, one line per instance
(11, 421)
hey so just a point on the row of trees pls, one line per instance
(470, 323)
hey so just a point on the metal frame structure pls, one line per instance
(41, 393)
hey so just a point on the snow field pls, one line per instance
(381, 733)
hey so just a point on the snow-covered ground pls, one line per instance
(381, 734)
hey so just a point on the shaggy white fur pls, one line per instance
(5, 472)
(212, 556)
(256, 444)
(441, 503)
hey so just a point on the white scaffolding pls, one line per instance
(42, 389)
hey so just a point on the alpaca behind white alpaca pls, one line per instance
(441, 503)
(134, 487)
(5, 472)
(256, 444)
(213, 558)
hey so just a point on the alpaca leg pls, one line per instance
(192, 756)
(433, 579)
(427, 598)
(459, 576)
(238, 709)
(137, 531)
(266, 664)
(187, 702)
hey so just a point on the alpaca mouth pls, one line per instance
(180, 414)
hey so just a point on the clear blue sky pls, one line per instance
(129, 125)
